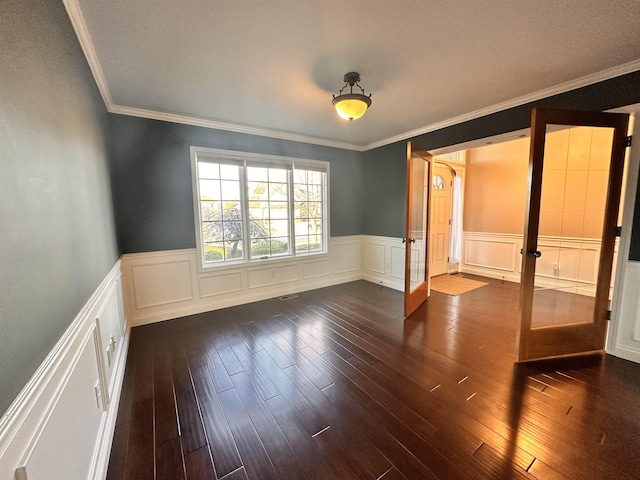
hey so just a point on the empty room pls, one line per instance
(319, 240)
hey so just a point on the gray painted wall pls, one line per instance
(151, 177)
(385, 195)
(57, 235)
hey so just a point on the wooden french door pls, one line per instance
(576, 166)
(416, 283)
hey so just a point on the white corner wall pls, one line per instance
(61, 425)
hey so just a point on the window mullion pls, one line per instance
(292, 221)
(244, 203)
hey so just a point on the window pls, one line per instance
(256, 207)
(438, 182)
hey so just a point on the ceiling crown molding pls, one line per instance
(231, 127)
(531, 97)
(79, 25)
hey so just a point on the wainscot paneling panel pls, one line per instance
(162, 283)
(625, 333)
(396, 269)
(347, 255)
(213, 285)
(316, 269)
(172, 287)
(266, 277)
(491, 252)
(110, 331)
(384, 261)
(61, 425)
(374, 257)
(64, 447)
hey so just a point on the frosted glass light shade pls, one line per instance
(351, 106)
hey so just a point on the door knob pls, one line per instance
(534, 253)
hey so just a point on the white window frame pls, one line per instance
(251, 159)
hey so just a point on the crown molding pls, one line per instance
(80, 27)
(230, 127)
(532, 97)
(540, 94)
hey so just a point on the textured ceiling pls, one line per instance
(271, 67)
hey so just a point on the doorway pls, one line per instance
(440, 223)
(569, 272)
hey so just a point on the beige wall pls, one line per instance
(574, 184)
(496, 187)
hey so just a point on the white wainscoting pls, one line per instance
(567, 263)
(625, 332)
(61, 425)
(384, 261)
(163, 285)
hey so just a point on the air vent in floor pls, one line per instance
(288, 297)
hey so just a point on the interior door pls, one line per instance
(416, 284)
(440, 224)
(575, 175)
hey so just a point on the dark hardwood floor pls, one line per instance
(335, 384)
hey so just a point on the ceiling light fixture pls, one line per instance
(351, 105)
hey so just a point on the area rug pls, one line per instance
(454, 284)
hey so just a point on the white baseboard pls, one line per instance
(490, 273)
(160, 286)
(59, 401)
(144, 318)
(626, 353)
(385, 282)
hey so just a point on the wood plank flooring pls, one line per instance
(335, 384)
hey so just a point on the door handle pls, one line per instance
(534, 253)
(412, 240)
(404, 240)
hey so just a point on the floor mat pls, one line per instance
(454, 284)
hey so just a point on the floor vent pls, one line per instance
(288, 297)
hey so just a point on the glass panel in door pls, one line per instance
(418, 181)
(572, 206)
